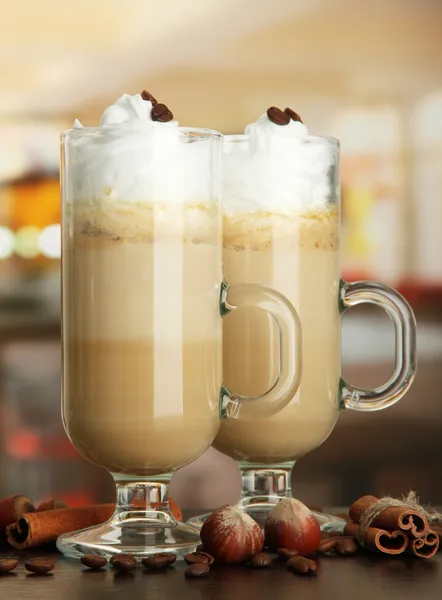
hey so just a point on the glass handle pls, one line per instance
(404, 322)
(290, 350)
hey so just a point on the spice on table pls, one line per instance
(123, 562)
(346, 546)
(286, 554)
(12, 507)
(36, 529)
(93, 561)
(160, 560)
(391, 517)
(39, 566)
(425, 547)
(381, 540)
(302, 566)
(8, 564)
(326, 545)
(199, 557)
(197, 570)
(52, 504)
(261, 560)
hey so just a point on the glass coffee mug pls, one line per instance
(142, 300)
(281, 228)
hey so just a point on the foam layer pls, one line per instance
(131, 158)
(278, 169)
(314, 229)
(135, 222)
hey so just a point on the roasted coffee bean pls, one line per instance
(161, 560)
(199, 557)
(93, 561)
(261, 560)
(302, 566)
(147, 96)
(197, 570)
(295, 117)
(8, 564)
(161, 113)
(326, 546)
(39, 566)
(285, 554)
(346, 546)
(123, 562)
(278, 116)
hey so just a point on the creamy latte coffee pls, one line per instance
(142, 334)
(281, 229)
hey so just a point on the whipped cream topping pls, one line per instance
(133, 159)
(278, 168)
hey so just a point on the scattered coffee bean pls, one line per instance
(93, 561)
(261, 560)
(160, 560)
(8, 564)
(285, 554)
(197, 570)
(302, 565)
(326, 546)
(39, 566)
(295, 117)
(199, 557)
(123, 562)
(278, 116)
(161, 113)
(346, 546)
(147, 96)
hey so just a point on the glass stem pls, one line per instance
(265, 484)
(146, 500)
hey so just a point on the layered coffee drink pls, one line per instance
(281, 228)
(142, 334)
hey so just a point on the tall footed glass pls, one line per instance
(142, 299)
(281, 228)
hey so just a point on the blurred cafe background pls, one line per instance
(367, 73)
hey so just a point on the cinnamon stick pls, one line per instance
(379, 540)
(12, 507)
(39, 528)
(396, 517)
(425, 547)
(51, 505)
(437, 528)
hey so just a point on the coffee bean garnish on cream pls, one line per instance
(161, 113)
(292, 114)
(278, 116)
(148, 97)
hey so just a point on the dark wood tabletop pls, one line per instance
(361, 577)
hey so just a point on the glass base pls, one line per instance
(263, 486)
(141, 525)
(136, 536)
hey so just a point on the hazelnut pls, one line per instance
(292, 525)
(231, 536)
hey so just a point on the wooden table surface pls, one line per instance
(362, 577)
